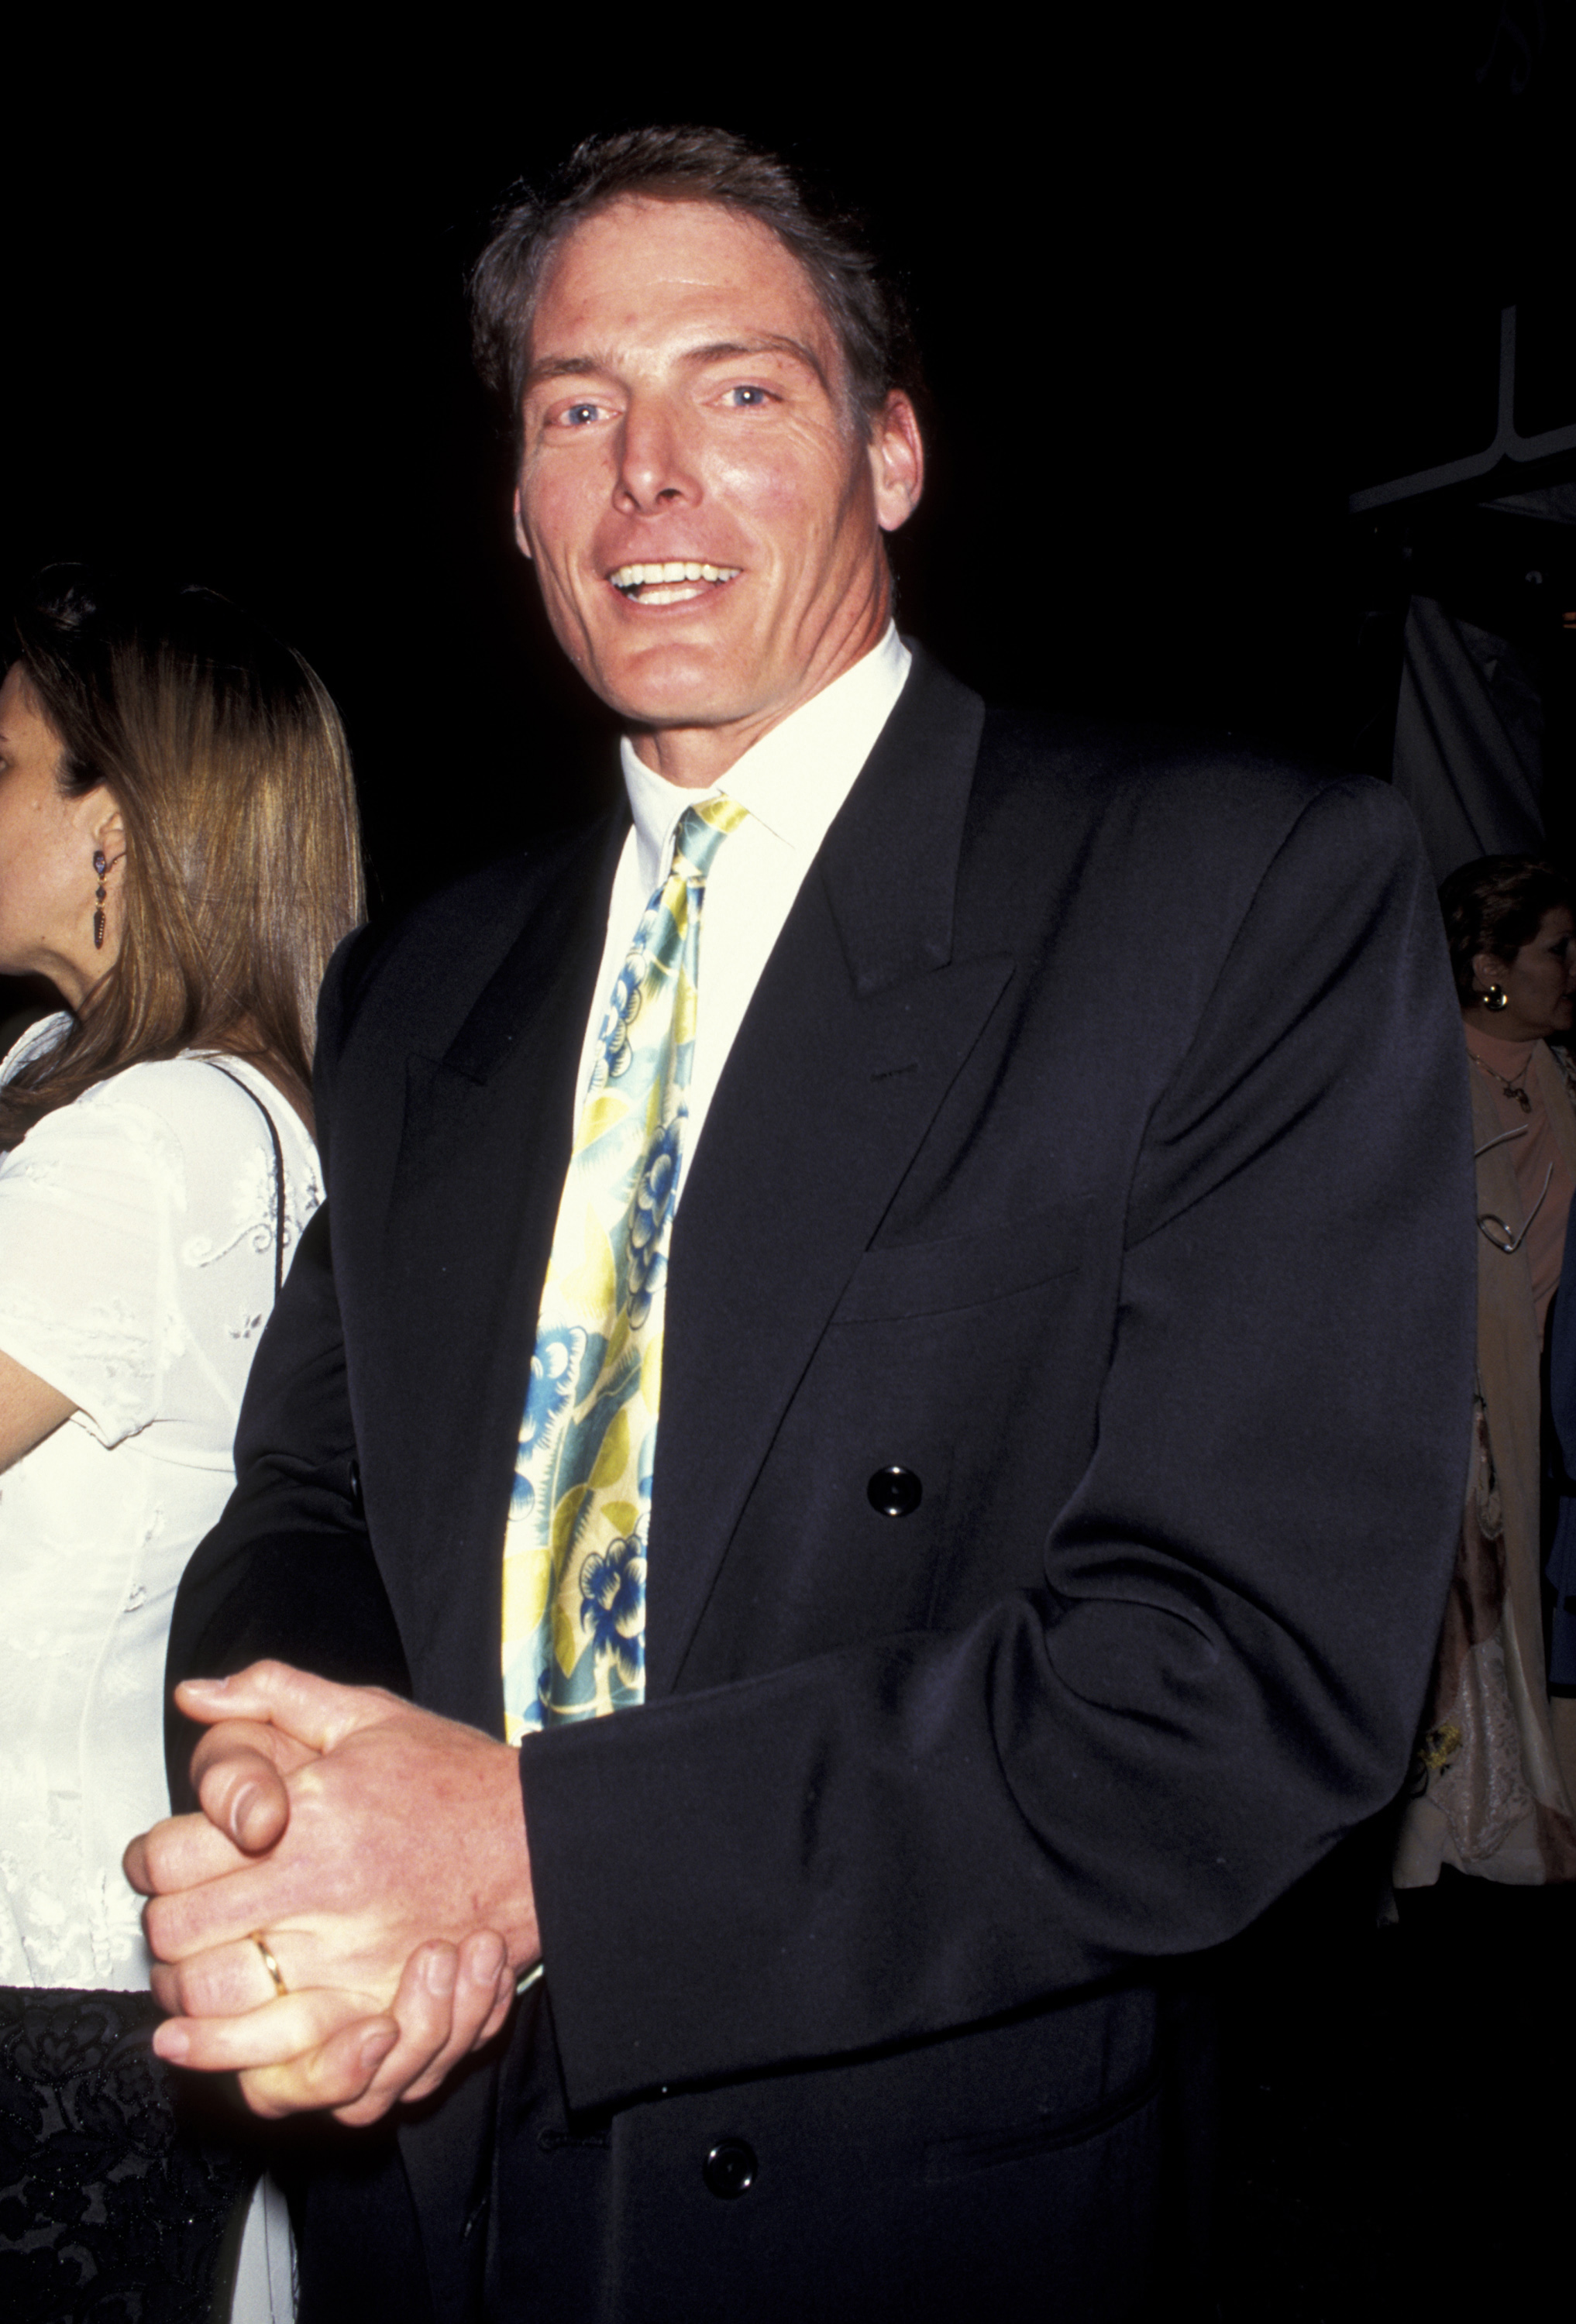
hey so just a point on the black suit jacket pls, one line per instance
(1095, 1150)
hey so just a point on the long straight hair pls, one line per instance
(242, 871)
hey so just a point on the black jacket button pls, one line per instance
(896, 1493)
(729, 2170)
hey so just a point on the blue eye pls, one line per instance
(580, 415)
(756, 396)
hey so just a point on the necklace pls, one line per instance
(1512, 1086)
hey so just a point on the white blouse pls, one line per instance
(136, 1273)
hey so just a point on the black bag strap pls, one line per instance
(278, 1171)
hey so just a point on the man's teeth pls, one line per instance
(649, 576)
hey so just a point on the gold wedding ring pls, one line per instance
(269, 1964)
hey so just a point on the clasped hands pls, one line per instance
(378, 1851)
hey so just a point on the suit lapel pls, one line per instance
(856, 1031)
(469, 1226)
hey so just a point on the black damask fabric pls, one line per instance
(118, 2181)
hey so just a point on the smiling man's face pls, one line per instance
(704, 506)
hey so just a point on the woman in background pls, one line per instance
(178, 855)
(1495, 1795)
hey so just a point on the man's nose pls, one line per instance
(655, 465)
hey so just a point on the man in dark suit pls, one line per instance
(1063, 1390)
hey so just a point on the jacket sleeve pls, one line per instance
(288, 1570)
(1218, 1662)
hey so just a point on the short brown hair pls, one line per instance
(229, 765)
(860, 299)
(1496, 905)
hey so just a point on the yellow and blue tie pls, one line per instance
(575, 1546)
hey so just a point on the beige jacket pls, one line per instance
(1497, 1770)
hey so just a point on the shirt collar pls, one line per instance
(796, 777)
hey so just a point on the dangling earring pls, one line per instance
(1496, 998)
(103, 865)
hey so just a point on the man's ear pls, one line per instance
(521, 542)
(897, 461)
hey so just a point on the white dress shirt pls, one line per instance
(792, 782)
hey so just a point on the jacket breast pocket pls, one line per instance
(900, 1280)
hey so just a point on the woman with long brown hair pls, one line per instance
(178, 855)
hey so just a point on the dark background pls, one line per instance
(1182, 286)
(1184, 281)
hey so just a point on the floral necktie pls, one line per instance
(575, 1547)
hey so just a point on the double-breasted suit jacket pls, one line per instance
(1094, 1151)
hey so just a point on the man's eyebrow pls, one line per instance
(771, 343)
(561, 367)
